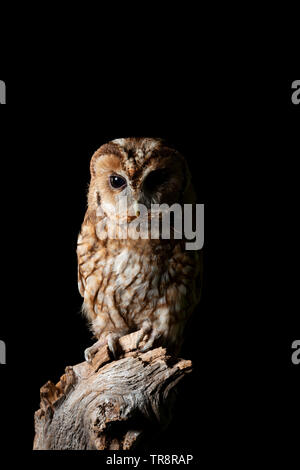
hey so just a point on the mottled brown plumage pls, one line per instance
(127, 284)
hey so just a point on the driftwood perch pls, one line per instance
(109, 404)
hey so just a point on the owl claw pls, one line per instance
(88, 355)
(90, 352)
(113, 344)
(155, 336)
(146, 328)
(112, 341)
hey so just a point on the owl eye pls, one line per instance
(117, 181)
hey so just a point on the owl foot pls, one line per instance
(112, 341)
(153, 338)
(90, 352)
(145, 330)
(113, 344)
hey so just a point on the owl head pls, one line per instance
(143, 170)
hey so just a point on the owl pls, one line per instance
(145, 284)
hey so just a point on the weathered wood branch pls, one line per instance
(109, 404)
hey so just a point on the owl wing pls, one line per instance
(88, 246)
(84, 243)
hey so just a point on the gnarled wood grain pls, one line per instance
(109, 404)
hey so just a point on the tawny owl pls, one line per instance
(128, 284)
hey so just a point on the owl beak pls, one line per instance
(135, 212)
(136, 209)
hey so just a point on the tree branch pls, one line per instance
(109, 404)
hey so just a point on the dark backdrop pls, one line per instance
(241, 143)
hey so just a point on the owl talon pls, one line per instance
(90, 352)
(112, 341)
(113, 344)
(155, 336)
(146, 328)
(87, 355)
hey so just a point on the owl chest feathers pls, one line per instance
(124, 284)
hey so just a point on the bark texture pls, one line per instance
(109, 404)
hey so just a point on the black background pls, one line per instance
(241, 138)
